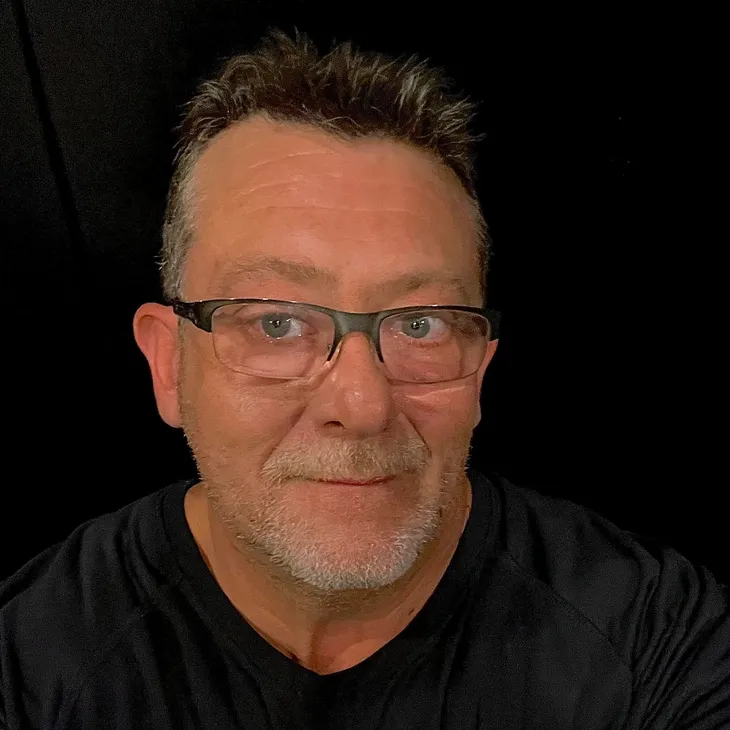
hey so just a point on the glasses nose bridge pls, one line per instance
(365, 322)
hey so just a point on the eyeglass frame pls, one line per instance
(201, 312)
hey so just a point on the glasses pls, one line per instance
(275, 338)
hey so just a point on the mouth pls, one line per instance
(357, 482)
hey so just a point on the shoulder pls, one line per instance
(666, 618)
(64, 609)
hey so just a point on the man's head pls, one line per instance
(358, 170)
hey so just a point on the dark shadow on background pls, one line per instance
(596, 178)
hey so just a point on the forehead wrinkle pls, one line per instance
(315, 206)
(310, 192)
(289, 155)
(327, 182)
(312, 180)
(321, 144)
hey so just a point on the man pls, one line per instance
(338, 565)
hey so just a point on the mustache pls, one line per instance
(347, 460)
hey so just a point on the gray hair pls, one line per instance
(347, 93)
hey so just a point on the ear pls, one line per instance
(155, 331)
(488, 355)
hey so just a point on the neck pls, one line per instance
(323, 632)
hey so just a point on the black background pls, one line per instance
(600, 177)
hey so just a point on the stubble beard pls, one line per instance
(323, 559)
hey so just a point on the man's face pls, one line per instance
(366, 212)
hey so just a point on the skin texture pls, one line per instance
(327, 574)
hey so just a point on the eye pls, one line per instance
(268, 324)
(280, 324)
(421, 327)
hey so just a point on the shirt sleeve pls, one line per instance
(682, 659)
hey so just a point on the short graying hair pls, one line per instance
(347, 93)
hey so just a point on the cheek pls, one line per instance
(443, 414)
(235, 418)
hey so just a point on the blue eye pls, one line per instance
(279, 325)
(421, 327)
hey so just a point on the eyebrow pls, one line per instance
(264, 267)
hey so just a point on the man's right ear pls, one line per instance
(155, 331)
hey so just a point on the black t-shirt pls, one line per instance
(548, 616)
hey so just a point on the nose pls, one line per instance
(357, 350)
(362, 397)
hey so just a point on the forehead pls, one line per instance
(352, 208)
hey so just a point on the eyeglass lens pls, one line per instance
(293, 341)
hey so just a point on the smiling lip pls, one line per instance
(356, 483)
